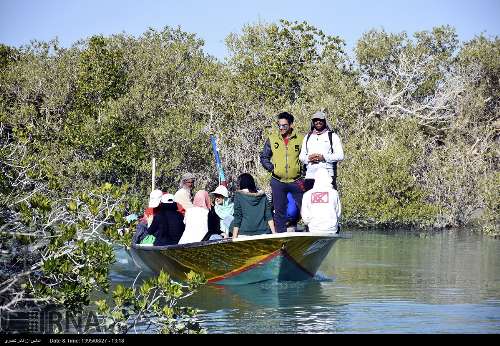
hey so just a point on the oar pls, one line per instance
(153, 172)
(220, 170)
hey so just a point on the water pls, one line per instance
(441, 282)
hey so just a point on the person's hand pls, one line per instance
(312, 157)
(315, 158)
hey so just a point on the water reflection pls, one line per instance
(438, 268)
(270, 307)
(265, 294)
(402, 282)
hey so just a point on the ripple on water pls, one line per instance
(374, 283)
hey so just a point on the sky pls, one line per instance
(213, 20)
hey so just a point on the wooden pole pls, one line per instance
(153, 172)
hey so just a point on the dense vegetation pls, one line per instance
(418, 117)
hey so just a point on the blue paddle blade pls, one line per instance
(220, 170)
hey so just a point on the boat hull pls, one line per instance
(280, 257)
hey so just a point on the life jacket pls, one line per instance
(287, 166)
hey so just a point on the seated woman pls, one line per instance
(221, 215)
(252, 212)
(167, 226)
(321, 205)
(148, 215)
(196, 219)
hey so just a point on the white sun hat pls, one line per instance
(154, 198)
(167, 198)
(221, 190)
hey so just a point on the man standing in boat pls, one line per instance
(321, 148)
(280, 157)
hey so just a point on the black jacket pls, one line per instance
(265, 157)
(168, 225)
(213, 224)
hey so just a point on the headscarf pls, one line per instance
(186, 176)
(316, 132)
(224, 211)
(202, 200)
(322, 179)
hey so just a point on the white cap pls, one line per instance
(319, 115)
(221, 190)
(167, 198)
(155, 198)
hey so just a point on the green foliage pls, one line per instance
(418, 118)
(66, 254)
(410, 77)
(338, 91)
(99, 111)
(378, 183)
(101, 76)
(89, 127)
(7, 56)
(155, 304)
(273, 60)
(490, 191)
(478, 56)
(380, 54)
(460, 182)
(70, 278)
(377, 52)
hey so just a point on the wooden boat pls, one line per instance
(282, 257)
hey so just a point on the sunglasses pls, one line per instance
(283, 126)
(320, 120)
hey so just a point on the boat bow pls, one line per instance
(281, 257)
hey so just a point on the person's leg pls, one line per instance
(215, 237)
(334, 177)
(296, 189)
(297, 193)
(279, 204)
(334, 182)
(141, 232)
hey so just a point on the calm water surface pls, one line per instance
(443, 282)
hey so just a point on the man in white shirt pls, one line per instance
(321, 205)
(321, 148)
